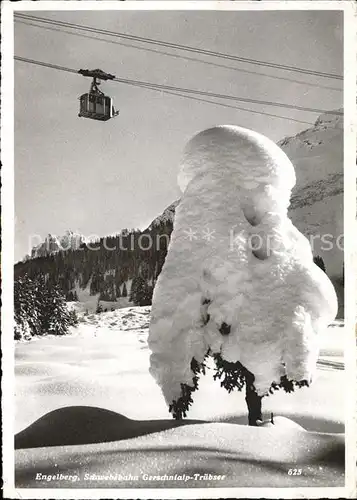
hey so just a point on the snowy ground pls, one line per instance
(109, 417)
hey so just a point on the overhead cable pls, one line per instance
(229, 106)
(172, 90)
(180, 56)
(185, 90)
(179, 46)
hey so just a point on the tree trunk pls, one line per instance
(254, 403)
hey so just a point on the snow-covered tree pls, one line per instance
(54, 314)
(239, 282)
(40, 309)
(26, 308)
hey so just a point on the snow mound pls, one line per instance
(123, 319)
(195, 455)
(239, 278)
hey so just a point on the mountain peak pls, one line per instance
(167, 216)
(53, 244)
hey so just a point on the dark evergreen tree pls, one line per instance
(125, 291)
(99, 308)
(73, 318)
(140, 292)
(72, 296)
(40, 308)
(233, 376)
(319, 262)
(54, 314)
(150, 291)
(143, 293)
(133, 290)
(26, 308)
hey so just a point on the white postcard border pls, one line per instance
(7, 136)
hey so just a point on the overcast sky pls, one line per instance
(97, 177)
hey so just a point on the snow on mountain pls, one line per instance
(53, 244)
(316, 206)
(317, 200)
(166, 217)
(317, 152)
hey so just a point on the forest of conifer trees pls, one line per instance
(106, 266)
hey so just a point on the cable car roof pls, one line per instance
(96, 73)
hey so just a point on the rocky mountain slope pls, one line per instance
(317, 199)
(53, 244)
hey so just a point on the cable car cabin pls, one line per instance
(96, 106)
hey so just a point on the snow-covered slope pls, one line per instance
(317, 200)
(109, 417)
(53, 244)
(317, 152)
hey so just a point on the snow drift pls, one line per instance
(239, 278)
(86, 406)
